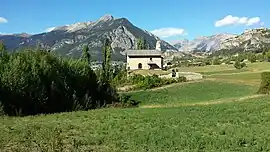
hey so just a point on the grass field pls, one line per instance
(240, 126)
(221, 113)
(259, 66)
(192, 93)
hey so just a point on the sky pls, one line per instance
(169, 19)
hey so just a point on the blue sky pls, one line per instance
(169, 19)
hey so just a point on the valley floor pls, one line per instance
(221, 113)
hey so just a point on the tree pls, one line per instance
(251, 57)
(86, 55)
(267, 56)
(142, 44)
(106, 61)
(2, 48)
(259, 57)
(216, 61)
(241, 57)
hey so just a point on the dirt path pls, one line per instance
(211, 102)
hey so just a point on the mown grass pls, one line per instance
(225, 71)
(210, 68)
(241, 126)
(192, 92)
(214, 69)
(252, 78)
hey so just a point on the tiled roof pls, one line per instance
(144, 53)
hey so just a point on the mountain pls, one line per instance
(69, 39)
(203, 44)
(180, 43)
(251, 40)
(255, 40)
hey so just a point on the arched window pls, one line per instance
(139, 66)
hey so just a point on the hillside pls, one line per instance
(250, 40)
(203, 44)
(69, 39)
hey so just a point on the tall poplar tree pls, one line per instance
(106, 65)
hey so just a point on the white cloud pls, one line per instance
(3, 20)
(49, 29)
(235, 20)
(169, 32)
(253, 21)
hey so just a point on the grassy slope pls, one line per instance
(192, 93)
(259, 66)
(250, 75)
(237, 126)
(241, 126)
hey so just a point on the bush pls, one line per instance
(252, 57)
(137, 78)
(181, 79)
(125, 101)
(216, 61)
(149, 82)
(265, 84)
(169, 81)
(39, 82)
(239, 65)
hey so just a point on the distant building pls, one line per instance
(145, 59)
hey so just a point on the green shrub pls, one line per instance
(181, 79)
(252, 57)
(137, 78)
(216, 61)
(239, 65)
(125, 101)
(150, 82)
(40, 82)
(265, 84)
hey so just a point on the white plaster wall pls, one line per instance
(132, 63)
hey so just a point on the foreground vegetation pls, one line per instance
(226, 127)
(39, 82)
(216, 114)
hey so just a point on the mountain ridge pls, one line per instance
(254, 40)
(69, 39)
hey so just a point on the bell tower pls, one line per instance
(158, 45)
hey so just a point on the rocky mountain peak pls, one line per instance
(106, 18)
(22, 35)
(203, 43)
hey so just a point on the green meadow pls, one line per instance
(223, 112)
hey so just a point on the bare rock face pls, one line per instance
(70, 39)
(203, 44)
(250, 40)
